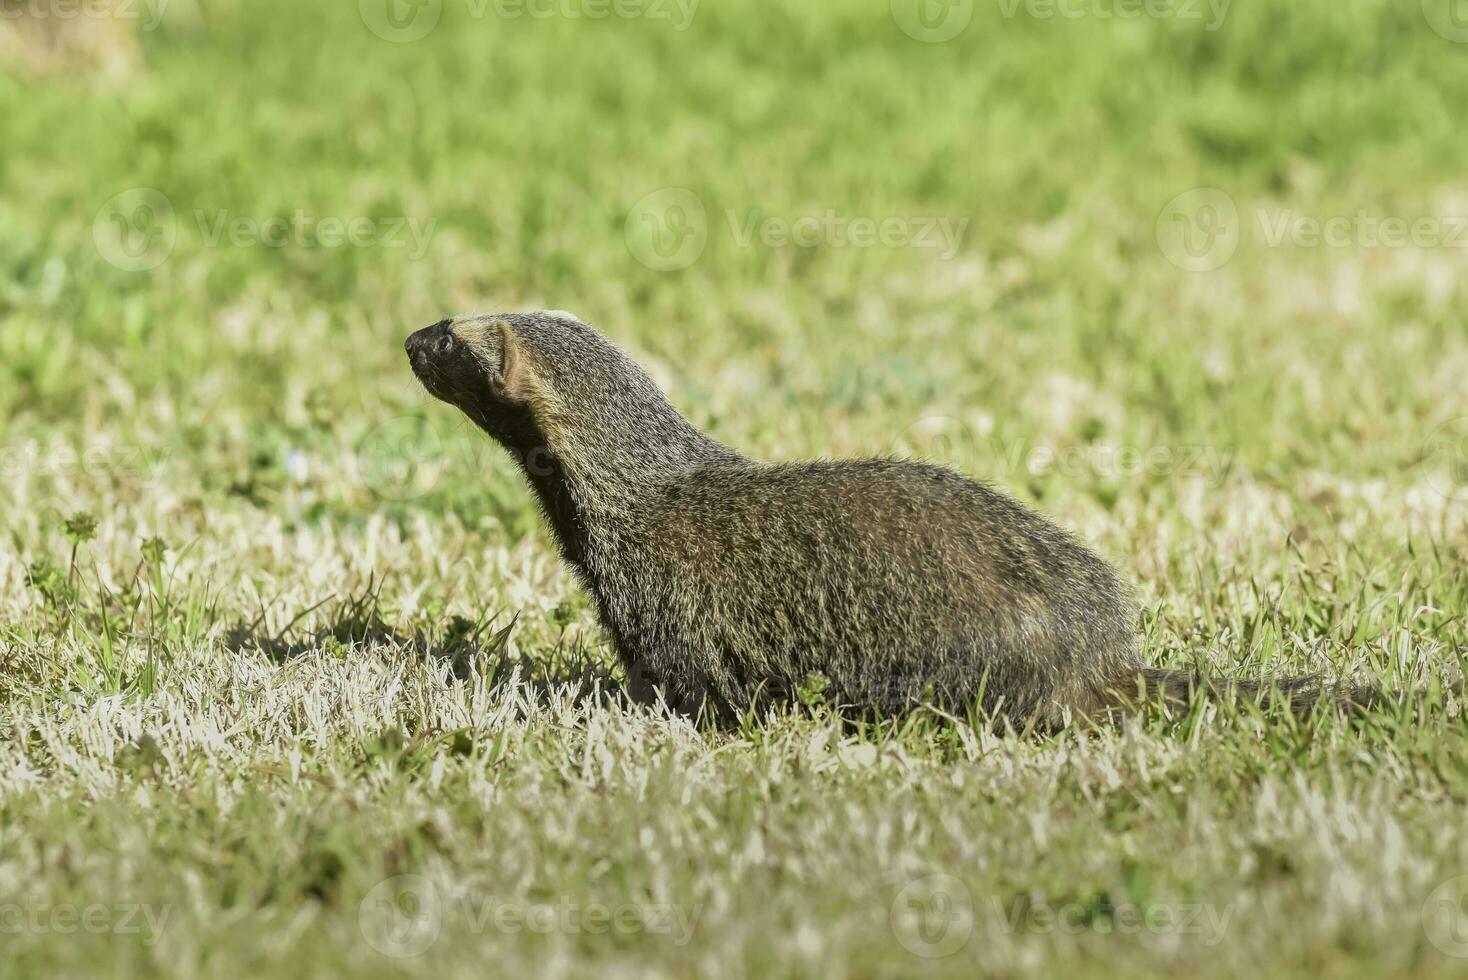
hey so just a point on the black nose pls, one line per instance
(434, 341)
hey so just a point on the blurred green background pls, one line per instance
(1188, 276)
(517, 143)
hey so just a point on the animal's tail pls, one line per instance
(1302, 695)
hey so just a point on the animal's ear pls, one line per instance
(512, 382)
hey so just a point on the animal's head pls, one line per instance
(476, 364)
(548, 381)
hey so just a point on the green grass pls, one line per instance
(317, 639)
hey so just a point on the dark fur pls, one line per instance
(729, 583)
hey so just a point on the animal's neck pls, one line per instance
(593, 485)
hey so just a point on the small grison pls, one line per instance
(727, 584)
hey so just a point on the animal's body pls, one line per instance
(726, 582)
(897, 582)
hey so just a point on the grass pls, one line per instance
(291, 679)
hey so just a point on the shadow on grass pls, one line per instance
(354, 626)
